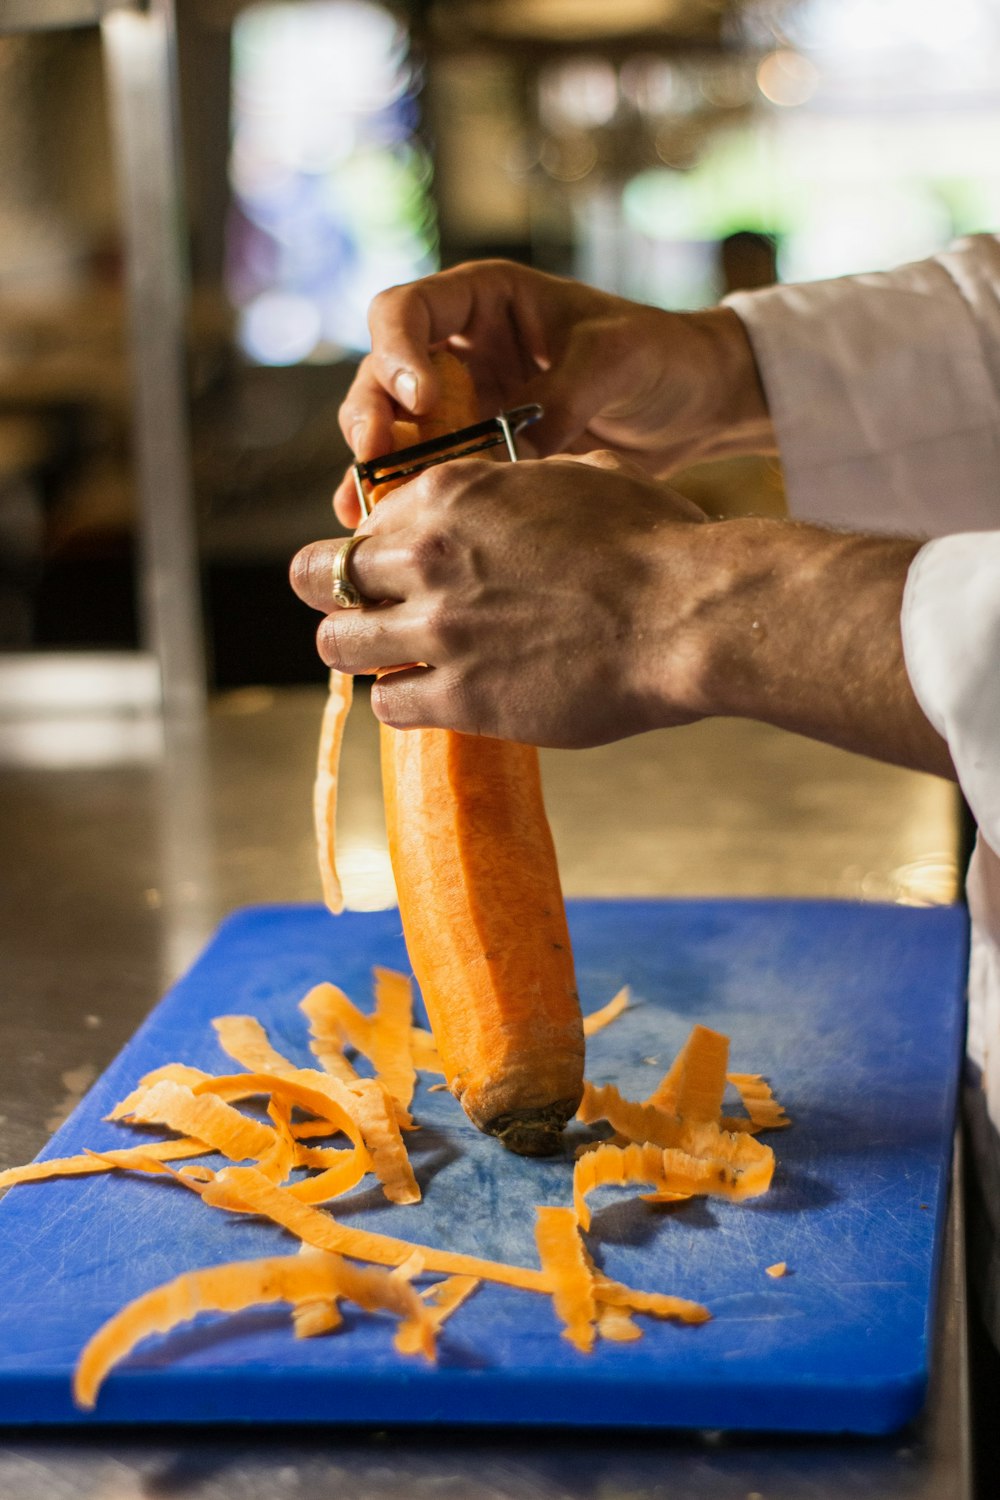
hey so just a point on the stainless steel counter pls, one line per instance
(120, 854)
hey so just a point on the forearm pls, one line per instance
(800, 627)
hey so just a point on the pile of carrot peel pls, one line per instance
(329, 1126)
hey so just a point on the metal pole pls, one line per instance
(140, 59)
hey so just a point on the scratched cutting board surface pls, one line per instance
(853, 1012)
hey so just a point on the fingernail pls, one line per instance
(405, 385)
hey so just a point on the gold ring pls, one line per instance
(345, 594)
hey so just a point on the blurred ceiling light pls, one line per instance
(518, 154)
(568, 158)
(280, 328)
(678, 144)
(844, 26)
(656, 86)
(301, 70)
(787, 78)
(330, 183)
(576, 19)
(581, 93)
(916, 50)
(729, 85)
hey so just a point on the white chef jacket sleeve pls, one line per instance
(951, 640)
(884, 390)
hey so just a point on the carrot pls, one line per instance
(480, 900)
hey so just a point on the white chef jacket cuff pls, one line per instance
(884, 391)
(951, 642)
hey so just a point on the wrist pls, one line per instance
(800, 628)
(732, 415)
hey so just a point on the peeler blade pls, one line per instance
(494, 432)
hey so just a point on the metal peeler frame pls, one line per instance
(493, 433)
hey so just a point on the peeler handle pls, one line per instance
(495, 432)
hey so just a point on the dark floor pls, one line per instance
(982, 1180)
(984, 1386)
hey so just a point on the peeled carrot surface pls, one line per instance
(480, 900)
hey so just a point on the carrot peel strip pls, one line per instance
(323, 1096)
(759, 1102)
(90, 1162)
(598, 1019)
(245, 1190)
(376, 1116)
(694, 1085)
(392, 1039)
(208, 1118)
(742, 1175)
(654, 1304)
(442, 1299)
(334, 1180)
(279, 1159)
(335, 1019)
(169, 1073)
(331, 737)
(564, 1258)
(232, 1287)
(244, 1039)
(426, 1058)
(617, 1324)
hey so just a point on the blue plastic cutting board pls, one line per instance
(853, 1012)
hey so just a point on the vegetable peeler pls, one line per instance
(495, 432)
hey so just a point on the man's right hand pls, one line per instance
(660, 388)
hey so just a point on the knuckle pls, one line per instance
(428, 552)
(381, 301)
(466, 481)
(445, 630)
(443, 488)
(426, 555)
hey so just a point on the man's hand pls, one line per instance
(663, 389)
(533, 593)
(569, 602)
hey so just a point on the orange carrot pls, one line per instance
(480, 900)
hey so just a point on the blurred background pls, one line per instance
(669, 150)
